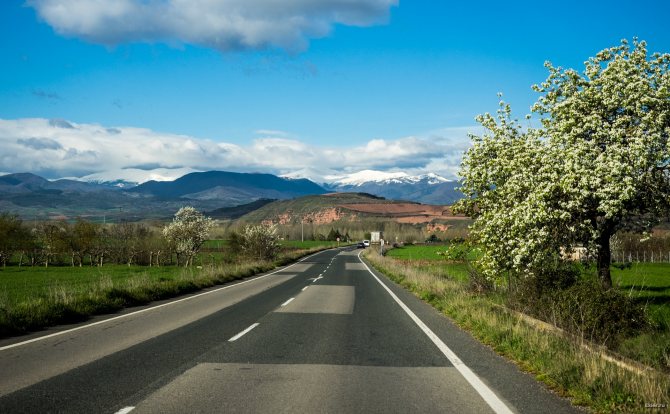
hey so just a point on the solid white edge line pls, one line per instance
(125, 410)
(287, 302)
(244, 332)
(485, 392)
(305, 288)
(152, 308)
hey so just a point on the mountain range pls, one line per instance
(32, 196)
(104, 196)
(426, 188)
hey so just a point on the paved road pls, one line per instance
(325, 335)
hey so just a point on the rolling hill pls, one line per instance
(328, 208)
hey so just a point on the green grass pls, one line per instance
(424, 252)
(32, 298)
(426, 257)
(418, 252)
(20, 284)
(649, 283)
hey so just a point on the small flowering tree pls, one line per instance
(260, 241)
(599, 163)
(187, 232)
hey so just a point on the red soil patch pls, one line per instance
(410, 213)
(406, 212)
(400, 209)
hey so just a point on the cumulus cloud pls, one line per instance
(221, 24)
(45, 147)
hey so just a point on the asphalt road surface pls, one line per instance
(325, 335)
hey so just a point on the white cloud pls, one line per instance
(45, 147)
(221, 24)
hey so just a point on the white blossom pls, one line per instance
(598, 163)
(187, 232)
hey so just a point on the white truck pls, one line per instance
(376, 237)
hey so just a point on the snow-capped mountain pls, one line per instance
(425, 188)
(370, 176)
(130, 177)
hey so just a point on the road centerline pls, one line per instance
(287, 302)
(244, 332)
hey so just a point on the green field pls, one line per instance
(428, 254)
(418, 252)
(24, 283)
(35, 297)
(649, 283)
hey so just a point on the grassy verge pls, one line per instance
(563, 365)
(35, 298)
(647, 283)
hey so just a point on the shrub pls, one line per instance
(597, 314)
(532, 293)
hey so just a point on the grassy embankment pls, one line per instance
(561, 363)
(32, 298)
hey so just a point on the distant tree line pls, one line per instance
(84, 242)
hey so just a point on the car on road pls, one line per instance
(366, 243)
(360, 245)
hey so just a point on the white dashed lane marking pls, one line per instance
(244, 332)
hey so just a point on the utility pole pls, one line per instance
(302, 230)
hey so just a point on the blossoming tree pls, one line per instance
(260, 241)
(187, 232)
(598, 163)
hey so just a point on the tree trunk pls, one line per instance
(604, 257)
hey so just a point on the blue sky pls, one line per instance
(368, 79)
